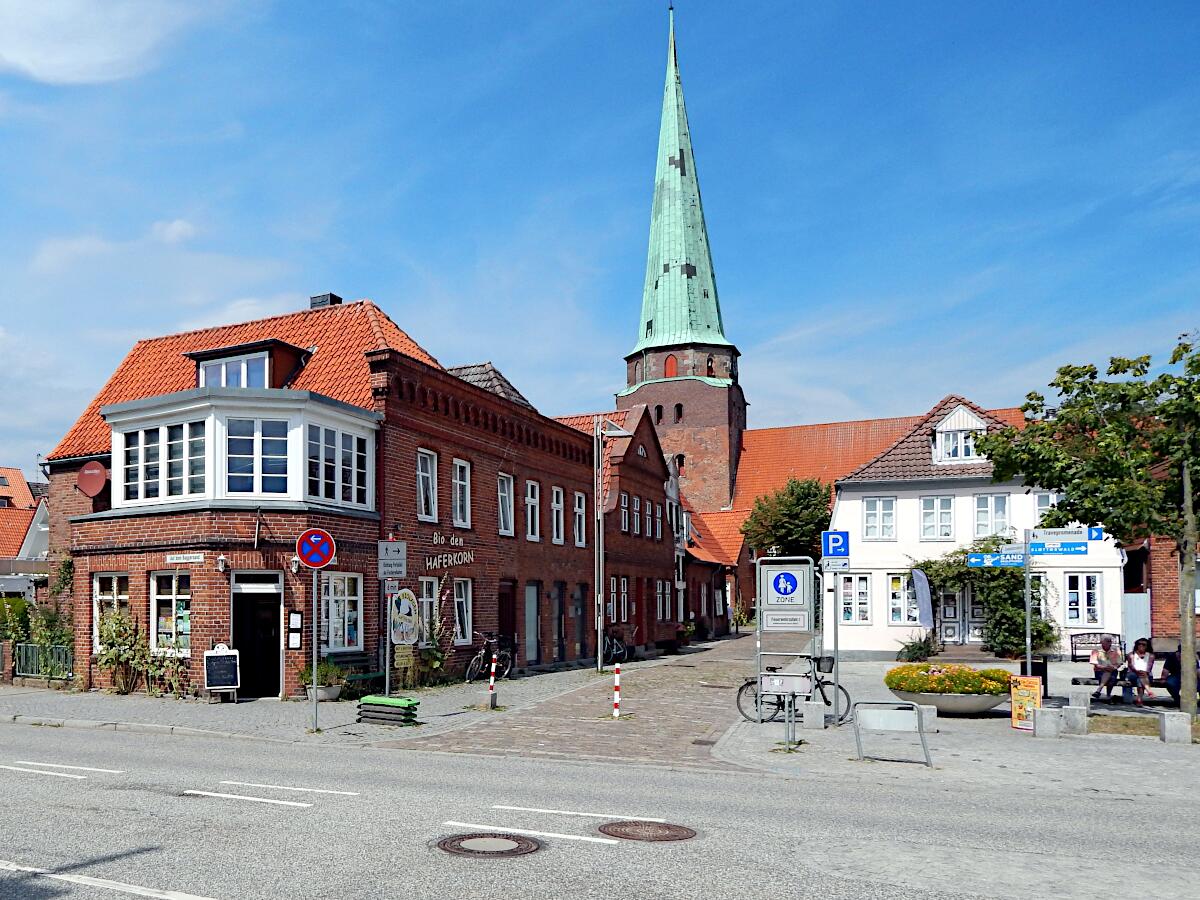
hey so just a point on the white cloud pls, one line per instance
(84, 42)
(172, 232)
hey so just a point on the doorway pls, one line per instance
(560, 621)
(581, 621)
(506, 609)
(256, 634)
(961, 617)
(533, 654)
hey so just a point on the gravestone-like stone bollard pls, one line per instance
(1174, 728)
(1047, 722)
(929, 718)
(1074, 720)
(1080, 697)
(812, 715)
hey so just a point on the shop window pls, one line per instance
(343, 611)
(1083, 599)
(557, 515)
(427, 611)
(462, 611)
(427, 510)
(854, 599)
(462, 493)
(902, 601)
(580, 519)
(171, 612)
(504, 510)
(109, 592)
(670, 366)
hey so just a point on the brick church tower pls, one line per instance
(683, 367)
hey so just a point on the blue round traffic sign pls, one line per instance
(785, 584)
(316, 548)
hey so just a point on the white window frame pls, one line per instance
(580, 519)
(624, 598)
(460, 506)
(156, 599)
(133, 460)
(242, 363)
(558, 524)
(994, 525)
(463, 603)
(427, 610)
(258, 471)
(658, 521)
(937, 517)
(328, 579)
(860, 583)
(1084, 600)
(624, 512)
(427, 511)
(115, 598)
(958, 446)
(902, 601)
(505, 490)
(1043, 502)
(879, 513)
(533, 511)
(637, 515)
(649, 518)
(340, 469)
(612, 598)
(704, 598)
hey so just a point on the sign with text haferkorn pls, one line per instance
(785, 597)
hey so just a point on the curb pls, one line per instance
(137, 728)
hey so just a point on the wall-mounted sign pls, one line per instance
(294, 630)
(174, 559)
(393, 559)
(448, 560)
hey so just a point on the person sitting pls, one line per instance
(1173, 672)
(1140, 662)
(1105, 662)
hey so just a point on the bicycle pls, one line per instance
(481, 662)
(615, 650)
(773, 704)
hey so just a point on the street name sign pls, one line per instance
(1058, 548)
(1058, 534)
(1013, 548)
(995, 560)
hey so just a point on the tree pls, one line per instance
(790, 520)
(1122, 451)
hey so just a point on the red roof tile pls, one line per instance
(341, 334)
(616, 448)
(720, 534)
(14, 519)
(16, 489)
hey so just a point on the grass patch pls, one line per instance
(1142, 726)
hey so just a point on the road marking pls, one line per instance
(244, 797)
(281, 787)
(101, 883)
(26, 762)
(549, 834)
(43, 772)
(567, 812)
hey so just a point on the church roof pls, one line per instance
(487, 376)
(679, 299)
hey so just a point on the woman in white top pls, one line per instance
(1141, 664)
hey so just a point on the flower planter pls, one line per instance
(954, 704)
(325, 692)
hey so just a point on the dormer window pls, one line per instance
(957, 446)
(241, 371)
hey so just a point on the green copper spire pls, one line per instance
(679, 300)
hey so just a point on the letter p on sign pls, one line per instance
(835, 543)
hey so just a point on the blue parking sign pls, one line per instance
(835, 543)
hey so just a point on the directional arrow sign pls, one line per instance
(1057, 548)
(995, 560)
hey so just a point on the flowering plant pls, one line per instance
(947, 678)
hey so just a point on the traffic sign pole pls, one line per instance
(1028, 609)
(315, 639)
(316, 549)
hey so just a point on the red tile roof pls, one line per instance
(17, 489)
(341, 334)
(15, 519)
(721, 534)
(616, 448)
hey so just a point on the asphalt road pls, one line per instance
(759, 835)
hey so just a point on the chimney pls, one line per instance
(320, 301)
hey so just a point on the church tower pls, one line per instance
(683, 367)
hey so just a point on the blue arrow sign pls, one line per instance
(1059, 548)
(995, 560)
(1095, 533)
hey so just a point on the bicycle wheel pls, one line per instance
(747, 704)
(504, 664)
(473, 667)
(844, 706)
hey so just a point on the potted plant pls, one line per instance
(330, 679)
(952, 688)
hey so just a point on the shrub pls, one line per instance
(328, 674)
(14, 619)
(947, 678)
(124, 651)
(918, 649)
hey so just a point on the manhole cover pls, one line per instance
(489, 846)
(647, 831)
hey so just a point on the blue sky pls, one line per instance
(904, 200)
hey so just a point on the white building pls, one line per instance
(928, 494)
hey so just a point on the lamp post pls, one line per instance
(601, 429)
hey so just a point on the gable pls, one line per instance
(961, 418)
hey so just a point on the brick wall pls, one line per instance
(1164, 590)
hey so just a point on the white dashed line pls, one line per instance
(244, 797)
(567, 812)
(89, 881)
(282, 787)
(43, 772)
(26, 762)
(548, 834)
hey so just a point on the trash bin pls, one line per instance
(1041, 669)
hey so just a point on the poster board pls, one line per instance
(222, 669)
(1025, 693)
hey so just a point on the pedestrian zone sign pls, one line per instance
(785, 596)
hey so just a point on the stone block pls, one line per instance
(1081, 697)
(929, 718)
(1174, 728)
(1074, 720)
(812, 715)
(1047, 722)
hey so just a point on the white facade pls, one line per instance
(892, 525)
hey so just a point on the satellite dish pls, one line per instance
(91, 478)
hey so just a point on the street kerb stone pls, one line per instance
(1174, 728)
(1074, 720)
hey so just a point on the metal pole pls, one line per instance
(387, 646)
(831, 602)
(315, 637)
(1028, 606)
(598, 515)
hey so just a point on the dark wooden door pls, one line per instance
(506, 626)
(256, 636)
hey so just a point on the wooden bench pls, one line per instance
(1158, 681)
(1083, 643)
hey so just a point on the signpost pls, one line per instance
(784, 587)
(316, 549)
(835, 543)
(995, 560)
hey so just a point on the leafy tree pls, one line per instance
(1123, 452)
(791, 519)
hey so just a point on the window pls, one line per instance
(337, 465)
(504, 512)
(637, 515)
(109, 592)
(649, 328)
(180, 446)
(256, 456)
(658, 599)
(624, 599)
(658, 521)
(462, 611)
(1083, 599)
(991, 514)
(678, 412)
(902, 601)
(5, 502)
(670, 366)
(937, 518)
(242, 371)
(879, 518)
(649, 518)
(854, 597)
(427, 611)
(711, 370)
(1037, 593)
(462, 493)
(624, 512)
(171, 612)
(1045, 501)
(533, 511)
(704, 599)
(637, 372)
(957, 446)
(658, 414)
(612, 599)
(343, 611)
(557, 520)
(580, 519)
(427, 510)
(679, 463)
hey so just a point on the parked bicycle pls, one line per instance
(481, 662)
(615, 649)
(748, 699)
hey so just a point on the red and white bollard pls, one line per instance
(492, 685)
(617, 691)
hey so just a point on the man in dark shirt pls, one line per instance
(1173, 671)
